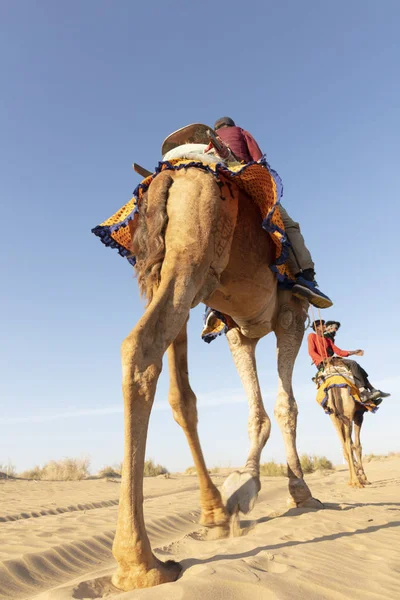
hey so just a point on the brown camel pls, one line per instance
(191, 247)
(344, 413)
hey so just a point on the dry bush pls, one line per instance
(309, 464)
(321, 462)
(152, 470)
(7, 469)
(68, 469)
(35, 473)
(273, 469)
(190, 470)
(110, 471)
(369, 457)
(214, 470)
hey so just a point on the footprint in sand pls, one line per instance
(287, 538)
(266, 563)
(95, 588)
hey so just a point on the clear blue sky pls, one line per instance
(89, 87)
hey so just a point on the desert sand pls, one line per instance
(56, 537)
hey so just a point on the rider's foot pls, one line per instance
(309, 290)
(381, 394)
(367, 396)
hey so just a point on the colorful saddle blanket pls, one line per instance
(256, 179)
(338, 376)
(261, 183)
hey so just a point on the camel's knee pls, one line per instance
(260, 429)
(286, 411)
(184, 408)
(140, 365)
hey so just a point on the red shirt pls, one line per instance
(242, 144)
(320, 347)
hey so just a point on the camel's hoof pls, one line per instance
(356, 484)
(308, 503)
(138, 576)
(239, 492)
(311, 503)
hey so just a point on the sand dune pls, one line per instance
(56, 537)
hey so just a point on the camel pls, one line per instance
(194, 247)
(344, 412)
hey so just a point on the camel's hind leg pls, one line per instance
(183, 403)
(240, 490)
(357, 448)
(289, 332)
(190, 207)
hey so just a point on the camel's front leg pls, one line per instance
(142, 353)
(183, 403)
(342, 417)
(341, 424)
(289, 332)
(240, 490)
(358, 421)
(348, 430)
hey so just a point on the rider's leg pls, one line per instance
(368, 392)
(299, 256)
(302, 265)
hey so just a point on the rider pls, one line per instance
(246, 149)
(321, 348)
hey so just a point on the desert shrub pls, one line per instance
(68, 469)
(152, 470)
(7, 469)
(35, 473)
(273, 469)
(307, 463)
(191, 470)
(321, 462)
(310, 463)
(369, 457)
(109, 471)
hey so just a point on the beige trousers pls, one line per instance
(299, 255)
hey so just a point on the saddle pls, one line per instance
(335, 367)
(197, 139)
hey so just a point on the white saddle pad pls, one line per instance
(192, 152)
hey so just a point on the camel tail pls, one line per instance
(148, 244)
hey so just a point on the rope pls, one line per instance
(323, 351)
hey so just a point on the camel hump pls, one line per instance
(196, 133)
